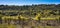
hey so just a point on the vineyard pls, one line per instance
(30, 16)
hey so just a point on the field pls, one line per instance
(34, 16)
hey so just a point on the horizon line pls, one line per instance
(25, 4)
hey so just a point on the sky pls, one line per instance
(28, 2)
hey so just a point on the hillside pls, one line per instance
(32, 16)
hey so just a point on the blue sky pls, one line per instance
(28, 2)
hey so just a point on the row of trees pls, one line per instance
(30, 11)
(28, 7)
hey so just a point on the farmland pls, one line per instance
(30, 16)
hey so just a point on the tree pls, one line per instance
(0, 20)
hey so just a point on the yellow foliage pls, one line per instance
(22, 17)
(38, 15)
(10, 17)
